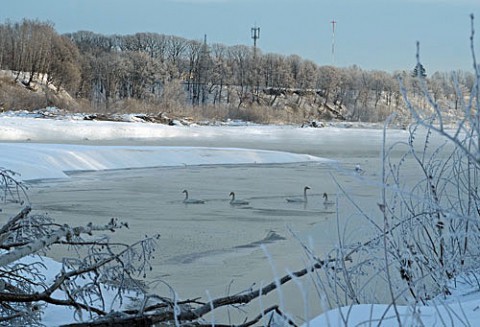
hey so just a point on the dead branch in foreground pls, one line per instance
(188, 315)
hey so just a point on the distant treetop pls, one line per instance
(419, 71)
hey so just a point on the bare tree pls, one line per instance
(24, 289)
(240, 57)
(64, 70)
(176, 51)
(221, 74)
(327, 81)
(194, 49)
(307, 74)
(143, 74)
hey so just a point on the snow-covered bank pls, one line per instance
(461, 308)
(46, 148)
(29, 129)
(40, 161)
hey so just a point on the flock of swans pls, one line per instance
(238, 202)
(304, 199)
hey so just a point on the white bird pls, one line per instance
(326, 202)
(300, 200)
(234, 202)
(359, 170)
(191, 201)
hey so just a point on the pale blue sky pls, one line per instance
(373, 34)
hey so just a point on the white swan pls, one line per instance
(191, 201)
(234, 202)
(326, 202)
(300, 200)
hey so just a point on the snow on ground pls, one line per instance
(55, 156)
(456, 311)
(53, 159)
(40, 161)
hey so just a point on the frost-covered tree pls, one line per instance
(27, 284)
(426, 226)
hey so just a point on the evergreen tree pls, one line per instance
(419, 71)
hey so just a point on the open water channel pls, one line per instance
(215, 247)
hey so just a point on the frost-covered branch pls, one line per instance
(80, 283)
(12, 190)
(55, 237)
(466, 136)
(12, 222)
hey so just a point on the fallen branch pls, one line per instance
(191, 315)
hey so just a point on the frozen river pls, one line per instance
(215, 246)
